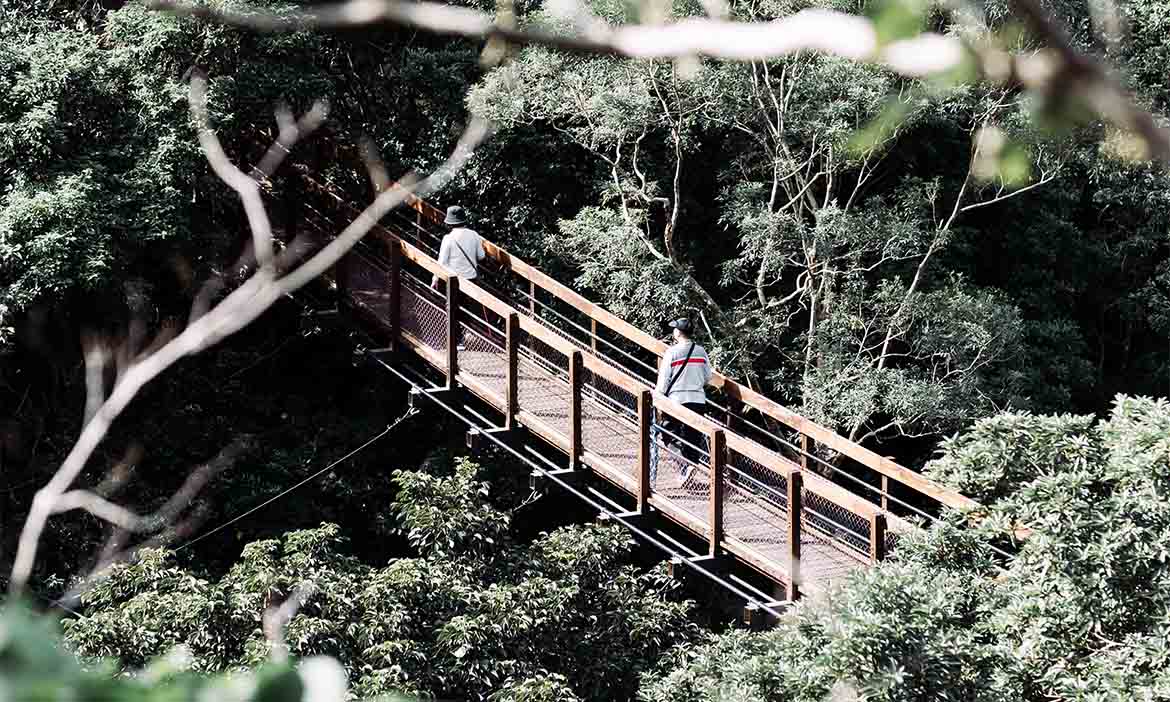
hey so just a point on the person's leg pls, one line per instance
(695, 448)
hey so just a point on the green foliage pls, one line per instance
(35, 668)
(475, 614)
(1079, 614)
(899, 632)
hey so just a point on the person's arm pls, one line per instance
(663, 372)
(707, 372)
(480, 249)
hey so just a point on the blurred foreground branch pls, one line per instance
(1059, 70)
(235, 311)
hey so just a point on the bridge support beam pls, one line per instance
(756, 618)
(478, 439)
(538, 480)
(678, 565)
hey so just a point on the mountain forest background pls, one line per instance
(971, 279)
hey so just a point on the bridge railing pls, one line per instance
(817, 449)
(747, 492)
(878, 479)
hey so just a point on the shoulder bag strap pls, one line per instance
(465, 256)
(681, 368)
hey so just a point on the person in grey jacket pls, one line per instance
(683, 375)
(462, 249)
(460, 252)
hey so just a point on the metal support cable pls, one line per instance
(409, 413)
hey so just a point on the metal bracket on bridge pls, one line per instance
(536, 479)
(445, 394)
(712, 564)
(477, 439)
(630, 518)
(756, 618)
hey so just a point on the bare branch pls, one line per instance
(236, 311)
(248, 188)
(832, 32)
(276, 619)
(1061, 69)
(96, 356)
(1019, 191)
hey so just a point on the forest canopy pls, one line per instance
(971, 276)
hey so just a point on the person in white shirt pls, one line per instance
(683, 375)
(460, 252)
(462, 248)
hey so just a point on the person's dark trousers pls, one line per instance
(694, 448)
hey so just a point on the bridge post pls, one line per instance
(452, 331)
(576, 377)
(512, 388)
(395, 293)
(645, 410)
(877, 537)
(717, 443)
(795, 485)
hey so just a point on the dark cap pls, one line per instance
(455, 216)
(683, 325)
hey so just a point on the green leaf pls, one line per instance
(278, 683)
(897, 19)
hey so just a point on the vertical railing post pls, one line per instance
(452, 331)
(531, 299)
(645, 410)
(593, 328)
(795, 490)
(885, 493)
(804, 452)
(395, 292)
(877, 537)
(717, 443)
(576, 377)
(512, 390)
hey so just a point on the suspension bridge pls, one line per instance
(771, 490)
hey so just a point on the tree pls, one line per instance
(826, 286)
(473, 614)
(35, 668)
(1077, 614)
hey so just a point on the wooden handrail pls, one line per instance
(735, 390)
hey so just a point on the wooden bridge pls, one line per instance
(776, 492)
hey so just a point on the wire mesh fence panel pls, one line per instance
(367, 282)
(481, 353)
(680, 465)
(543, 383)
(828, 530)
(892, 539)
(609, 424)
(755, 505)
(422, 317)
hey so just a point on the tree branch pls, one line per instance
(236, 311)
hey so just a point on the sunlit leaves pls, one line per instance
(475, 614)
